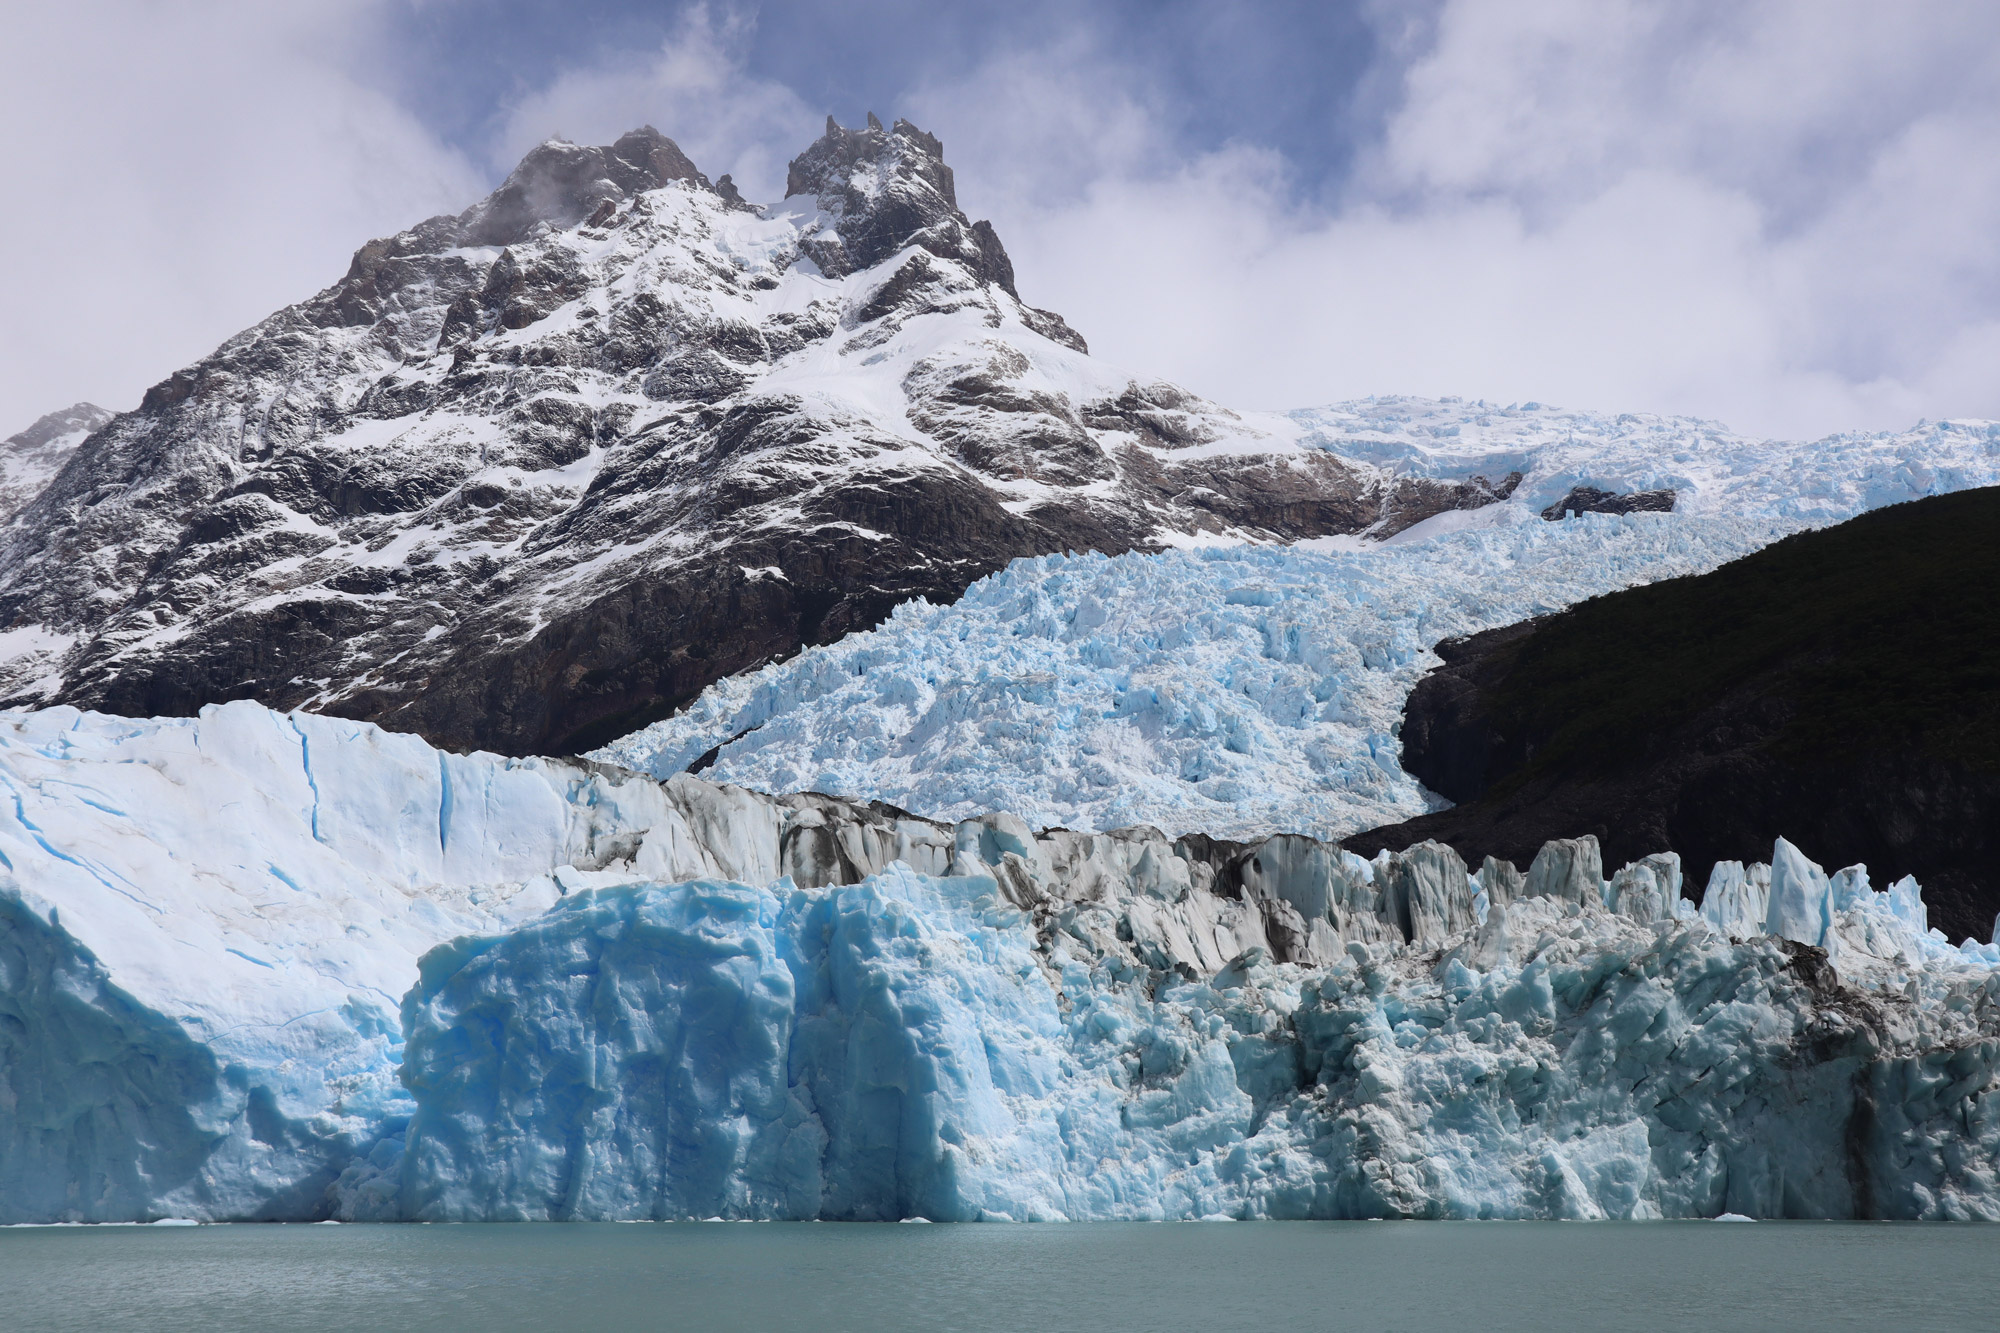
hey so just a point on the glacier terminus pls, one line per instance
(280, 966)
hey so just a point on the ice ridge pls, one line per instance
(1704, 466)
(919, 1046)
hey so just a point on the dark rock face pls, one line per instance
(884, 190)
(1591, 500)
(529, 477)
(1841, 688)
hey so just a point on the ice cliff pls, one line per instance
(268, 965)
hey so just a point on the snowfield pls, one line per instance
(1712, 469)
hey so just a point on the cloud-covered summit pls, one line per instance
(1775, 214)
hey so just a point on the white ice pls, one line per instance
(1243, 690)
(1236, 691)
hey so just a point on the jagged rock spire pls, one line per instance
(841, 158)
(888, 189)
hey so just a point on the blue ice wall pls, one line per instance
(912, 1046)
(110, 1111)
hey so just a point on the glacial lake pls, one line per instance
(1102, 1277)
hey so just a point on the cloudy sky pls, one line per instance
(1785, 215)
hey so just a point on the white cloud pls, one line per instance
(1778, 214)
(175, 173)
(692, 88)
(1035, 128)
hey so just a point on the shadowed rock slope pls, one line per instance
(1843, 683)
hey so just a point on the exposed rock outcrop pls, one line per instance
(1840, 684)
(1591, 500)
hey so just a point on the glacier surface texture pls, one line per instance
(282, 966)
(1240, 690)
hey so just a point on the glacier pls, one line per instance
(1711, 469)
(1235, 690)
(281, 966)
(1239, 690)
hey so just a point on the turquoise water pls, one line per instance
(1102, 1277)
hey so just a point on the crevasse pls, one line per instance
(1241, 690)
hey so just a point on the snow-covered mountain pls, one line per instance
(257, 965)
(30, 459)
(541, 472)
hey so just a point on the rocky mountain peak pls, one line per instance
(28, 459)
(535, 475)
(883, 190)
(558, 184)
(864, 161)
(77, 420)
(564, 183)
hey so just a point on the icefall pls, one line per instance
(1237, 691)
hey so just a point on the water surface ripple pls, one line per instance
(1102, 1277)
